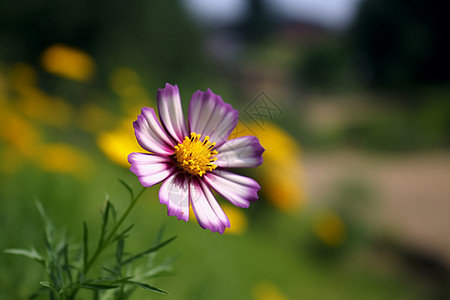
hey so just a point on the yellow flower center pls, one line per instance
(194, 156)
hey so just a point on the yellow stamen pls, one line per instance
(194, 156)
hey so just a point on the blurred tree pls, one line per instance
(258, 22)
(403, 43)
(325, 66)
(156, 38)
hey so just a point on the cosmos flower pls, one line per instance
(191, 159)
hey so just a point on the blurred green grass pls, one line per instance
(280, 255)
(278, 247)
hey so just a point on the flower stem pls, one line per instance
(110, 236)
(105, 243)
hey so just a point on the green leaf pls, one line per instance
(163, 269)
(66, 266)
(113, 272)
(122, 280)
(148, 287)
(152, 249)
(123, 234)
(61, 241)
(96, 295)
(48, 225)
(105, 221)
(49, 249)
(119, 251)
(156, 241)
(98, 286)
(158, 271)
(32, 253)
(159, 236)
(38, 293)
(49, 285)
(107, 197)
(85, 244)
(129, 189)
(113, 213)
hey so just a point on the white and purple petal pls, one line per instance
(149, 168)
(237, 189)
(174, 192)
(150, 134)
(241, 152)
(171, 112)
(208, 212)
(209, 115)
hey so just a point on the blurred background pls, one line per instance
(350, 98)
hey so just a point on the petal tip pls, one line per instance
(131, 156)
(146, 109)
(167, 89)
(179, 215)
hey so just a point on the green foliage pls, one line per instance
(403, 43)
(141, 37)
(326, 66)
(67, 264)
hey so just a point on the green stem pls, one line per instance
(110, 236)
(108, 239)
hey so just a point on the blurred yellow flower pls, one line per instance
(23, 103)
(267, 291)
(24, 142)
(330, 229)
(281, 174)
(118, 143)
(63, 158)
(238, 219)
(121, 141)
(18, 132)
(35, 103)
(68, 62)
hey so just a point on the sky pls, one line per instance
(330, 13)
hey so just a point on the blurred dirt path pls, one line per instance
(412, 190)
